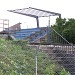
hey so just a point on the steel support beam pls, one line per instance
(37, 20)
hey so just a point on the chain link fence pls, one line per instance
(20, 58)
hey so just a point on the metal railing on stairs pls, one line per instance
(59, 41)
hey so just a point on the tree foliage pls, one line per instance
(66, 27)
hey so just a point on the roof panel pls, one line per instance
(33, 12)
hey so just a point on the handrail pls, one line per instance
(61, 36)
(64, 39)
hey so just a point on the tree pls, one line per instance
(66, 28)
(59, 25)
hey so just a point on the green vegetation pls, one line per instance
(66, 27)
(17, 58)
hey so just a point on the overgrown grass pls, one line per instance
(17, 58)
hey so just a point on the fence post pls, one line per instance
(36, 58)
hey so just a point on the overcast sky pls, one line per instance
(65, 7)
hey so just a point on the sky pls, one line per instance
(64, 7)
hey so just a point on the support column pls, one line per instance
(37, 20)
(60, 16)
(49, 32)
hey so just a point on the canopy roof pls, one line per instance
(34, 12)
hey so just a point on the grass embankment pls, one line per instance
(16, 58)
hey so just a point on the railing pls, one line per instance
(4, 26)
(58, 41)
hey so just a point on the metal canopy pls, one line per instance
(33, 12)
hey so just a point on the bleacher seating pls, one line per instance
(33, 33)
